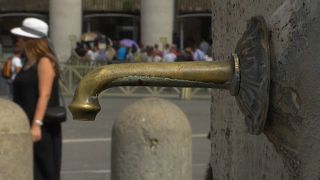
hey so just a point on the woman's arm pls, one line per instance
(46, 76)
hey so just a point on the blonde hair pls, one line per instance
(36, 49)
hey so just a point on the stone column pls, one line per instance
(65, 25)
(157, 21)
(151, 139)
(289, 147)
(16, 157)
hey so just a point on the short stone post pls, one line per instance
(151, 140)
(15, 143)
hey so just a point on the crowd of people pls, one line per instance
(106, 51)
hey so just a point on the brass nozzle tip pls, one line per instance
(84, 112)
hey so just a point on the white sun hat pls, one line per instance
(32, 28)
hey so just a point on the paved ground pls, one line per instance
(86, 147)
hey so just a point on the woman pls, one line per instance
(35, 88)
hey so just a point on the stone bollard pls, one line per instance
(151, 140)
(15, 143)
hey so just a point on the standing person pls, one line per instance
(111, 53)
(204, 46)
(92, 53)
(16, 62)
(122, 53)
(156, 54)
(197, 54)
(35, 88)
(170, 56)
(15, 67)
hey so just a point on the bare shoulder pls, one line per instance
(44, 60)
(45, 64)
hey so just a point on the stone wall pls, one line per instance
(235, 153)
(290, 145)
(294, 111)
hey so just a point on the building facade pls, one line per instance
(182, 22)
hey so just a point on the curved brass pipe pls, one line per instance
(85, 103)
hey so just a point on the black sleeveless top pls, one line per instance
(26, 92)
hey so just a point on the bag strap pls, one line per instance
(60, 95)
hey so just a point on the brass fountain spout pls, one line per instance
(245, 73)
(217, 74)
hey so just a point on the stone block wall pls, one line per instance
(290, 145)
